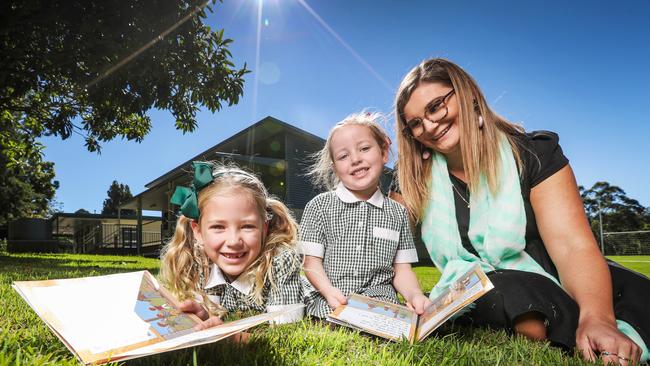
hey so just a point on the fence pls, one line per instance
(101, 237)
(626, 243)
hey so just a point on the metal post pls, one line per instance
(600, 224)
(138, 229)
(119, 227)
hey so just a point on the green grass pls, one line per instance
(25, 340)
(639, 263)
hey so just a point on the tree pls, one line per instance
(82, 211)
(63, 67)
(118, 194)
(26, 181)
(619, 212)
(95, 68)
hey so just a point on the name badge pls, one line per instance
(383, 233)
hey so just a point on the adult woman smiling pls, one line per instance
(486, 192)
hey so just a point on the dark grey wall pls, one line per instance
(299, 188)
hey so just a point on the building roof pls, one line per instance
(230, 148)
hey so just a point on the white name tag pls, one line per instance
(388, 234)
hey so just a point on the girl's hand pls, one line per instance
(600, 337)
(418, 303)
(212, 321)
(193, 307)
(335, 298)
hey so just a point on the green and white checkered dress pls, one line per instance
(359, 242)
(233, 296)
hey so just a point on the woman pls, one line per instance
(485, 191)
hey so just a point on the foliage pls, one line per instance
(95, 68)
(79, 66)
(618, 211)
(26, 181)
(82, 211)
(118, 194)
(27, 340)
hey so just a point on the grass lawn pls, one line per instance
(25, 340)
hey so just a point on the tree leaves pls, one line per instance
(95, 68)
(60, 72)
(118, 194)
(619, 212)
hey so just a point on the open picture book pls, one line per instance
(121, 316)
(396, 322)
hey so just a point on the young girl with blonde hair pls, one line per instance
(354, 239)
(234, 247)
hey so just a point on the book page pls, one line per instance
(377, 317)
(121, 316)
(96, 316)
(461, 293)
(207, 335)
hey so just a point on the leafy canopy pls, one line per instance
(95, 67)
(26, 181)
(118, 194)
(618, 211)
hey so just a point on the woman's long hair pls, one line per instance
(479, 146)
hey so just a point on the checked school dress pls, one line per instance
(359, 242)
(233, 296)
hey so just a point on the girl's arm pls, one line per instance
(315, 273)
(583, 271)
(406, 283)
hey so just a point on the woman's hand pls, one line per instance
(596, 336)
(418, 303)
(193, 307)
(335, 298)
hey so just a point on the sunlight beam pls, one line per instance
(347, 46)
(258, 42)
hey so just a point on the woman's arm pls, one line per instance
(584, 274)
(406, 283)
(316, 275)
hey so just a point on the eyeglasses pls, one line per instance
(433, 112)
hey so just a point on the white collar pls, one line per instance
(243, 285)
(344, 194)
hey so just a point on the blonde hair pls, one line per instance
(321, 171)
(479, 146)
(184, 260)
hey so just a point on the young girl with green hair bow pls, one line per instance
(234, 247)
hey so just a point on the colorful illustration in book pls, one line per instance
(154, 308)
(396, 312)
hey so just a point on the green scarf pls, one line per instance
(497, 229)
(497, 225)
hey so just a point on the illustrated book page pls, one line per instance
(120, 316)
(467, 289)
(396, 322)
(381, 318)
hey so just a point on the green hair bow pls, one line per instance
(187, 197)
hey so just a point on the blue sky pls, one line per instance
(578, 68)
